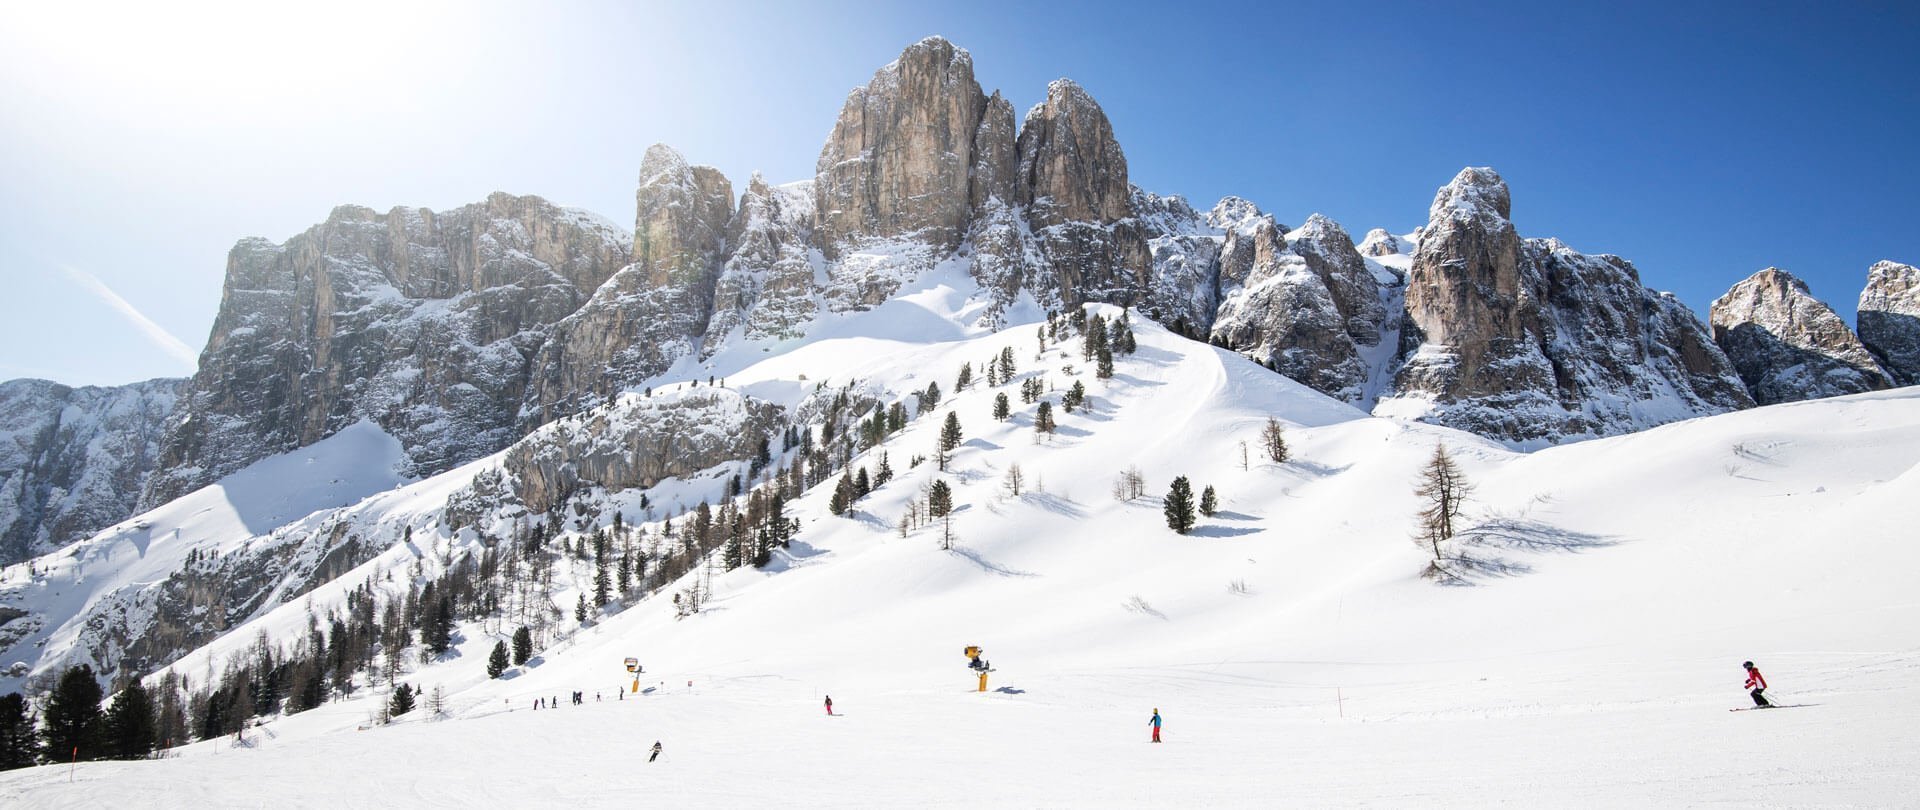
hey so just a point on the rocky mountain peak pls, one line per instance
(1890, 319)
(1071, 168)
(1476, 192)
(1235, 214)
(897, 161)
(680, 221)
(1788, 345)
(1378, 242)
(1531, 342)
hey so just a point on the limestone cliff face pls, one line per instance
(74, 460)
(421, 321)
(766, 285)
(680, 225)
(897, 161)
(1787, 345)
(1529, 342)
(1073, 185)
(1890, 319)
(636, 441)
(653, 311)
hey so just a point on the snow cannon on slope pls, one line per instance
(978, 664)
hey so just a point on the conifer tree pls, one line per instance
(1444, 489)
(1006, 363)
(438, 633)
(17, 748)
(1001, 408)
(930, 398)
(1104, 370)
(129, 723)
(1179, 506)
(497, 662)
(940, 505)
(862, 484)
(522, 645)
(1274, 439)
(1043, 418)
(949, 438)
(1208, 502)
(842, 495)
(965, 379)
(1075, 395)
(71, 717)
(402, 701)
(580, 609)
(883, 473)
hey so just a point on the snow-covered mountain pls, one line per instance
(74, 460)
(558, 366)
(458, 332)
(1293, 625)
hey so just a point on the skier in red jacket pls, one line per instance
(1759, 686)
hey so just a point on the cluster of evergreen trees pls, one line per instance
(73, 726)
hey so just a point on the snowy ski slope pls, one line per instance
(1295, 651)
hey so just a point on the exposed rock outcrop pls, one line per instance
(638, 441)
(653, 311)
(1890, 319)
(74, 460)
(1533, 343)
(423, 322)
(897, 161)
(766, 286)
(1073, 185)
(1787, 345)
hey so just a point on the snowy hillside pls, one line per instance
(1586, 658)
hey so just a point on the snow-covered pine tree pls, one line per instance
(1074, 397)
(1209, 503)
(964, 379)
(1179, 506)
(930, 398)
(1104, 367)
(1001, 408)
(883, 473)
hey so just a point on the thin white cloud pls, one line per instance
(160, 337)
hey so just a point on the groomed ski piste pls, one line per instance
(1588, 656)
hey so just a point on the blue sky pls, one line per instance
(1701, 141)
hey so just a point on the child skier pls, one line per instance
(1155, 722)
(1759, 686)
(829, 705)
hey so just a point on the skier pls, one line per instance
(656, 751)
(1155, 722)
(829, 705)
(1759, 686)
